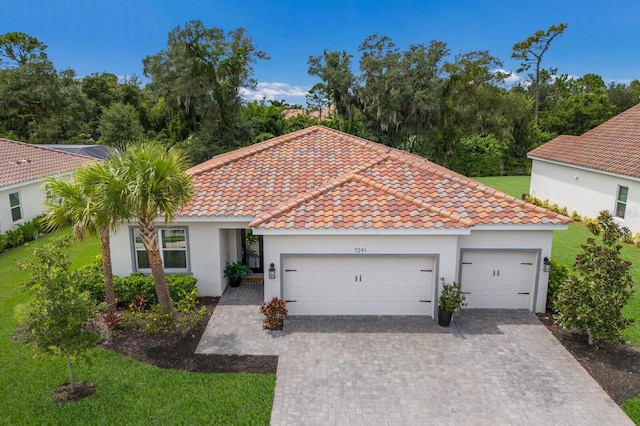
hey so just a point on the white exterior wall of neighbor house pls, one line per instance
(585, 191)
(209, 246)
(31, 203)
(516, 240)
(277, 246)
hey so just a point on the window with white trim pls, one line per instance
(621, 201)
(173, 249)
(16, 210)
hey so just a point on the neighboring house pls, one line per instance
(599, 170)
(99, 152)
(348, 226)
(22, 167)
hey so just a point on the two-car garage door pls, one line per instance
(359, 285)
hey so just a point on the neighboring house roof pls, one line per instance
(22, 162)
(613, 146)
(312, 113)
(319, 178)
(100, 152)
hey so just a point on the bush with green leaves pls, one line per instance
(181, 287)
(90, 279)
(59, 318)
(558, 274)
(25, 232)
(592, 299)
(127, 288)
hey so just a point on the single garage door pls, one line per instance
(499, 279)
(359, 285)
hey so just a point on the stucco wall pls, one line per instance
(587, 192)
(212, 245)
(209, 247)
(31, 202)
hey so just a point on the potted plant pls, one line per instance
(275, 311)
(450, 300)
(235, 271)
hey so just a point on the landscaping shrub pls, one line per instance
(25, 232)
(14, 238)
(127, 288)
(182, 288)
(274, 311)
(557, 275)
(89, 278)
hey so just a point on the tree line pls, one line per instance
(457, 111)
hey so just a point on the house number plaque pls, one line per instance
(360, 250)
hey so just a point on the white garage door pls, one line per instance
(359, 285)
(499, 279)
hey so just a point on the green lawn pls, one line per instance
(566, 244)
(127, 391)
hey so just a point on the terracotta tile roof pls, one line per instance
(22, 162)
(319, 178)
(613, 146)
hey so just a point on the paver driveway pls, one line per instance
(489, 367)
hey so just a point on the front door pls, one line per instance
(252, 250)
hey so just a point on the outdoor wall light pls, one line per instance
(272, 271)
(547, 264)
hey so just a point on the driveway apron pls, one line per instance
(489, 367)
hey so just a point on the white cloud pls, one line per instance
(512, 78)
(273, 91)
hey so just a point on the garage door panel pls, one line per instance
(499, 279)
(362, 285)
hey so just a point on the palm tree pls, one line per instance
(155, 185)
(85, 201)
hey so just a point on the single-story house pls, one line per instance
(346, 226)
(599, 170)
(22, 167)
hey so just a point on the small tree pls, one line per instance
(592, 299)
(57, 321)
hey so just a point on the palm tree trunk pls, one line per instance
(149, 234)
(107, 270)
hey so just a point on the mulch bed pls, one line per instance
(615, 366)
(168, 350)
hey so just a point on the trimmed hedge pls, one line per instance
(90, 279)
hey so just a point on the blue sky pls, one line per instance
(114, 36)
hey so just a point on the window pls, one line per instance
(16, 211)
(173, 249)
(621, 202)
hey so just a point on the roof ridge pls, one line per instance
(308, 196)
(407, 197)
(247, 151)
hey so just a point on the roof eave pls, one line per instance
(522, 227)
(588, 169)
(383, 231)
